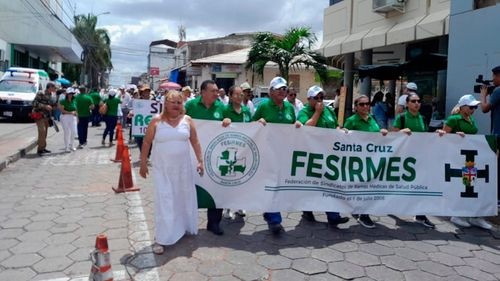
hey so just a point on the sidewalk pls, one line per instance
(52, 208)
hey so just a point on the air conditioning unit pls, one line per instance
(386, 6)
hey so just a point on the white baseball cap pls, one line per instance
(70, 90)
(411, 86)
(112, 92)
(245, 86)
(468, 100)
(277, 83)
(314, 91)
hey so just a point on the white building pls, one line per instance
(32, 34)
(228, 69)
(366, 32)
(161, 59)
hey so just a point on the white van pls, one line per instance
(18, 88)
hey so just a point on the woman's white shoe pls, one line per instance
(460, 221)
(480, 222)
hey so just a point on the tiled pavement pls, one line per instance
(51, 209)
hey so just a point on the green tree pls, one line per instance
(96, 50)
(290, 52)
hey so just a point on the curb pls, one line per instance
(17, 155)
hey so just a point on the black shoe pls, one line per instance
(215, 229)
(46, 151)
(308, 216)
(366, 221)
(338, 221)
(275, 228)
(40, 153)
(423, 220)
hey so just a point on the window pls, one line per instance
(478, 4)
(333, 2)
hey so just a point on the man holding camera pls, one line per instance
(493, 104)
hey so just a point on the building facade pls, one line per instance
(370, 32)
(35, 36)
(161, 59)
(228, 69)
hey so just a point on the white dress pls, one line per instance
(176, 207)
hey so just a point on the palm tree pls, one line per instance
(291, 51)
(96, 49)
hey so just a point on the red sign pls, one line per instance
(155, 71)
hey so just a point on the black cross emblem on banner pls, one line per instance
(467, 173)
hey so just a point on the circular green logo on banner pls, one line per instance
(231, 159)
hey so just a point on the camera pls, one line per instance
(477, 88)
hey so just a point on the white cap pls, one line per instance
(77, 91)
(277, 83)
(468, 100)
(411, 86)
(112, 92)
(245, 86)
(70, 90)
(314, 91)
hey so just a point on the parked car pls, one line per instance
(18, 88)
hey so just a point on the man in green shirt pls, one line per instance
(276, 110)
(96, 100)
(84, 105)
(208, 107)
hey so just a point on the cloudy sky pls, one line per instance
(133, 24)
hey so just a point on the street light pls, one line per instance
(104, 13)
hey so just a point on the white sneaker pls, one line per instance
(73, 148)
(460, 221)
(228, 214)
(480, 222)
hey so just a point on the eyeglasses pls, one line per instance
(363, 104)
(292, 94)
(415, 101)
(319, 98)
(472, 107)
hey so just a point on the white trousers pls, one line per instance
(68, 123)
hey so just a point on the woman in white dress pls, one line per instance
(176, 207)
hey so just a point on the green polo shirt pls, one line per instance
(197, 110)
(67, 105)
(457, 123)
(412, 122)
(274, 114)
(244, 116)
(327, 118)
(83, 103)
(96, 98)
(357, 123)
(112, 104)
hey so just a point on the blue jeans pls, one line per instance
(96, 117)
(83, 127)
(332, 216)
(272, 218)
(110, 126)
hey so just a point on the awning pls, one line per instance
(403, 32)
(334, 47)
(376, 37)
(353, 42)
(433, 25)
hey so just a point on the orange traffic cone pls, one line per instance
(101, 261)
(119, 147)
(126, 184)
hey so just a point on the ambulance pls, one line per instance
(18, 88)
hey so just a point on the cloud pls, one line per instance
(133, 24)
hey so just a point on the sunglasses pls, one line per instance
(292, 95)
(415, 101)
(319, 98)
(363, 104)
(284, 88)
(472, 107)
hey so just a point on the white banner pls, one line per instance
(281, 168)
(144, 110)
